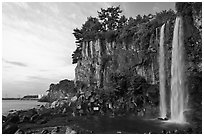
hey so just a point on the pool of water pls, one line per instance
(128, 124)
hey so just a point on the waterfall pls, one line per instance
(178, 91)
(162, 77)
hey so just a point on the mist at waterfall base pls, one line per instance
(179, 94)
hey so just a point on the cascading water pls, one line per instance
(178, 91)
(162, 77)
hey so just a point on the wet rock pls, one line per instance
(44, 112)
(34, 118)
(45, 131)
(64, 110)
(92, 99)
(25, 119)
(9, 128)
(55, 130)
(54, 104)
(73, 114)
(3, 118)
(78, 106)
(140, 112)
(30, 113)
(14, 118)
(81, 112)
(163, 131)
(70, 131)
(30, 132)
(19, 131)
(73, 132)
(73, 99)
(87, 94)
(163, 118)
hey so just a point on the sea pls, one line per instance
(8, 105)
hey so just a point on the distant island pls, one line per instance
(26, 97)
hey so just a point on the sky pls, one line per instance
(37, 40)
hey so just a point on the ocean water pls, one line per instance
(8, 105)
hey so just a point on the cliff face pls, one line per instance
(101, 58)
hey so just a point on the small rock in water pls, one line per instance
(163, 118)
(55, 130)
(45, 131)
(163, 131)
(73, 132)
(68, 130)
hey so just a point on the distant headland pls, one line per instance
(26, 97)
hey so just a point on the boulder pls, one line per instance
(14, 118)
(44, 112)
(9, 128)
(19, 131)
(55, 130)
(3, 118)
(45, 131)
(30, 113)
(25, 119)
(164, 131)
(70, 131)
(73, 132)
(34, 118)
(73, 99)
(64, 110)
(54, 104)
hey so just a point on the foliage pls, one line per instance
(110, 18)
(64, 88)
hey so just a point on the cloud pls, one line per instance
(16, 63)
(39, 78)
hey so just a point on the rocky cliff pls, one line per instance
(100, 59)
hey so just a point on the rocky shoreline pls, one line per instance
(65, 117)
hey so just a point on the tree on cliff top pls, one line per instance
(109, 18)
